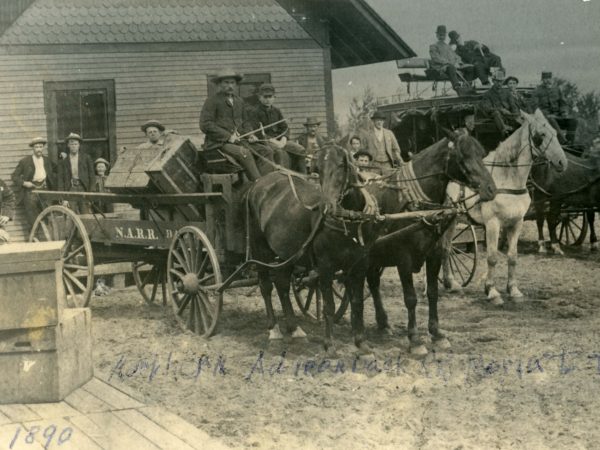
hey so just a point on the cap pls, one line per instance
(266, 88)
(101, 160)
(73, 136)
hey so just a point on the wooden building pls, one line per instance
(100, 68)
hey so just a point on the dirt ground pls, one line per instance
(525, 375)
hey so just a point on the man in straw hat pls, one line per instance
(153, 130)
(76, 173)
(222, 120)
(381, 143)
(498, 104)
(311, 140)
(35, 171)
(286, 153)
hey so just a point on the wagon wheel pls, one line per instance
(193, 273)
(573, 229)
(57, 223)
(148, 277)
(462, 254)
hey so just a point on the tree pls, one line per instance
(361, 111)
(570, 92)
(588, 110)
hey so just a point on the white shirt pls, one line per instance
(40, 173)
(379, 134)
(74, 165)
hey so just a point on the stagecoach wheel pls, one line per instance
(573, 229)
(148, 277)
(462, 254)
(192, 276)
(57, 223)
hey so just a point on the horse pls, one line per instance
(509, 165)
(578, 186)
(424, 179)
(291, 221)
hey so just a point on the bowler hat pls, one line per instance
(227, 73)
(153, 123)
(546, 75)
(441, 29)
(453, 35)
(37, 140)
(378, 115)
(312, 121)
(73, 137)
(363, 153)
(511, 78)
(266, 88)
(103, 161)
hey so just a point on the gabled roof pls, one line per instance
(135, 21)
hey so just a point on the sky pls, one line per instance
(561, 36)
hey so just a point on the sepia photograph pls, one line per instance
(299, 224)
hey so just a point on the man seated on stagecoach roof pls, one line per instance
(473, 52)
(550, 100)
(35, 171)
(381, 143)
(446, 61)
(498, 104)
(7, 210)
(286, 153)
(311, 140)
(222, 121)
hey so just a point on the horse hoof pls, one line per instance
(496, 301)
(542, 250)
(441, 344)
(557, 250)
(298, 333)
(275, 333)
(493, 293)
(418, 350)
(453, 286)
(515, 293)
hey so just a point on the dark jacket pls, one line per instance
(7, 201)
(550, 100)
(219, 119)
(86, 172)
(498, 97)
(302, 140)
(260, 114)
(25, 171)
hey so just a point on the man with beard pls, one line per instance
(35, 171)
(222, 120)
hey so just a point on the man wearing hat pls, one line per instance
(473, 52)
(76, 173)
(153, 130)
(512, 83)
(35, 171)
(498, 104)
(222, 120)
(550, 100)
(382, 144)
(311, 140)
(7, 210)
(446, 61)
(286, 153)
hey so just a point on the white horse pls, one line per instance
(535, 140)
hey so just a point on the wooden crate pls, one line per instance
(31, 287)
(128, 176)
(39, 365)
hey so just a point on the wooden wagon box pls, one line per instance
(31, 286)
(46, 364)
(128, 174)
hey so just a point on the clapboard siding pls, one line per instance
(170, 87)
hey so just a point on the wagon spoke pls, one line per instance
(185, 241)
(190, 317)
(180, 260)
(75, 267)
(177, 273)
(193, 254)
(462, 264)
(461, 232)
(462, 252)
(154, 288)
(184, 302)
(203, 266)
(74, 252)
(204, 314)
(456, 269)
(69, 287)
(206, 278)
(55, 236)
(74, 280)
(198, 317)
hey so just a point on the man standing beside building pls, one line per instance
(311, 140)
(7, 210)
(33, 172)
(76, 173)
(222, 119)
(153, 130)
(288, 154)
(382, 144)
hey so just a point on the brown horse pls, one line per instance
(292, 221)
(459, 159)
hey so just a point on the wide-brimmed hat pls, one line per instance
(153, 123)
(546, 75)
(37, 140)
(101, 160)
(312, 121)
(511, 78)
(378, 115)
(363, 153)
(227, 73)
(440, 29)
(266, 88)
(73, 136)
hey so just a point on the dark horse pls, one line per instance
(457, 158)
(578, 186)
(292, 221)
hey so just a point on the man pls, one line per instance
(550, 100)
(153, 130)
(382, 144)
(512, 83)
(498, 104)
(288, 154)
(479, 55)
(446, 61)
(76, 173)
(221, 120)
(311, 140)
(355, 145)
(7, 210)
(33, 172)
(363, 158)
